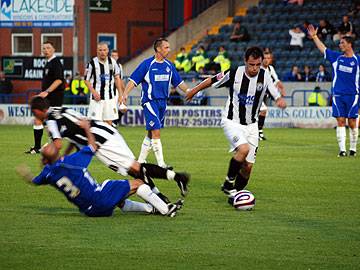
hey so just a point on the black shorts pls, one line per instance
(56, 98)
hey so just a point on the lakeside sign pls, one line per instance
(30, 68)
(36, 13)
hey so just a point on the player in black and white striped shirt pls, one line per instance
(112, 148)
(267, 64)
(247, 87)
(100, 75)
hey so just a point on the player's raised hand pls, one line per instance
(312, 31)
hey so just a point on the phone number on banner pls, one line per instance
(192, 122)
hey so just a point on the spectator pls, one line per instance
(316, 98)
(67, 91)
(79, 90)
(239, 33)
(326, 30)
(200, 60)
(299, 2)
(346, 28)
(293, 75)
(354, 9)
(307, 75)
(6, 88)
(304, 27)
(222, 59)
(182, 61)
(323, 75)
(297, 37)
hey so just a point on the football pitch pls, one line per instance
(306, 215)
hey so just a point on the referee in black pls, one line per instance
(52, 89)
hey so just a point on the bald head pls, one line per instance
(49, 153)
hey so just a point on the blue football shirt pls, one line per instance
(155, 78)
(345, 73)
(69, 175)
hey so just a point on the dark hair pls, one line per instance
(39, 103)
(49, 42)
(158, 42)
(255, 52)
(114, 51)
(350, 40)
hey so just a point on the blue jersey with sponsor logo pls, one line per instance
(69, 175)
(345, 73)
(155, 78)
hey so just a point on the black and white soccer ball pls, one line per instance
(244, 200)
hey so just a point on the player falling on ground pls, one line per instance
(345, 89)
(155, 75)
(112, 148)
(247, 87)
(267, 64)
(70, 176)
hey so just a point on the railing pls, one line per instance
(24, 98)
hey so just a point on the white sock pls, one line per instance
(133, 206)
(38, 126)
(341, 138)
(157, 148)
(145, 149)
(353, 136)
(146, 194)
(170, 175)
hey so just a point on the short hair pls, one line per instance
(39, 103)
(114, 51)
(350, 40)
(158, 42)
(49, 42)
(102, 43)
(255, 52)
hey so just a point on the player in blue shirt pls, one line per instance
(70, 176)
(345, 89)
(156, 75)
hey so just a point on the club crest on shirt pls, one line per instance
(259, 86)
(235, 139)
(352, 63)
(167, 69)
(46, 71)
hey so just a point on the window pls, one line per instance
(110, 39)
(22, 44)
(56, 39)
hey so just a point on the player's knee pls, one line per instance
(242, 151)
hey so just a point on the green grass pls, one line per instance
(306, 217)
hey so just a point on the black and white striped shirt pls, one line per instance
(273, 74)
(62, 123)
(102, 76)
(245, 93)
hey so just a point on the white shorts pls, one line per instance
(103, 110)
(116, 154)
(263, 107)
(238, 134)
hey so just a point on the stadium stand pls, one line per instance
(268, 25)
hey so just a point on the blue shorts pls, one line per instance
(154, 112)
(345, 106)
(107, 198)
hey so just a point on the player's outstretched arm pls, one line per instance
(281, 103)
(201, 86)
(24, 171)
(183, 87)
(85, 124)
(130, 86)
(313, 33)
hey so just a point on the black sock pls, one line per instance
(261, 122)
(37, 137)
(234, 168)
(241, 182)
(154, 171)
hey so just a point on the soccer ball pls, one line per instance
(244, 200)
